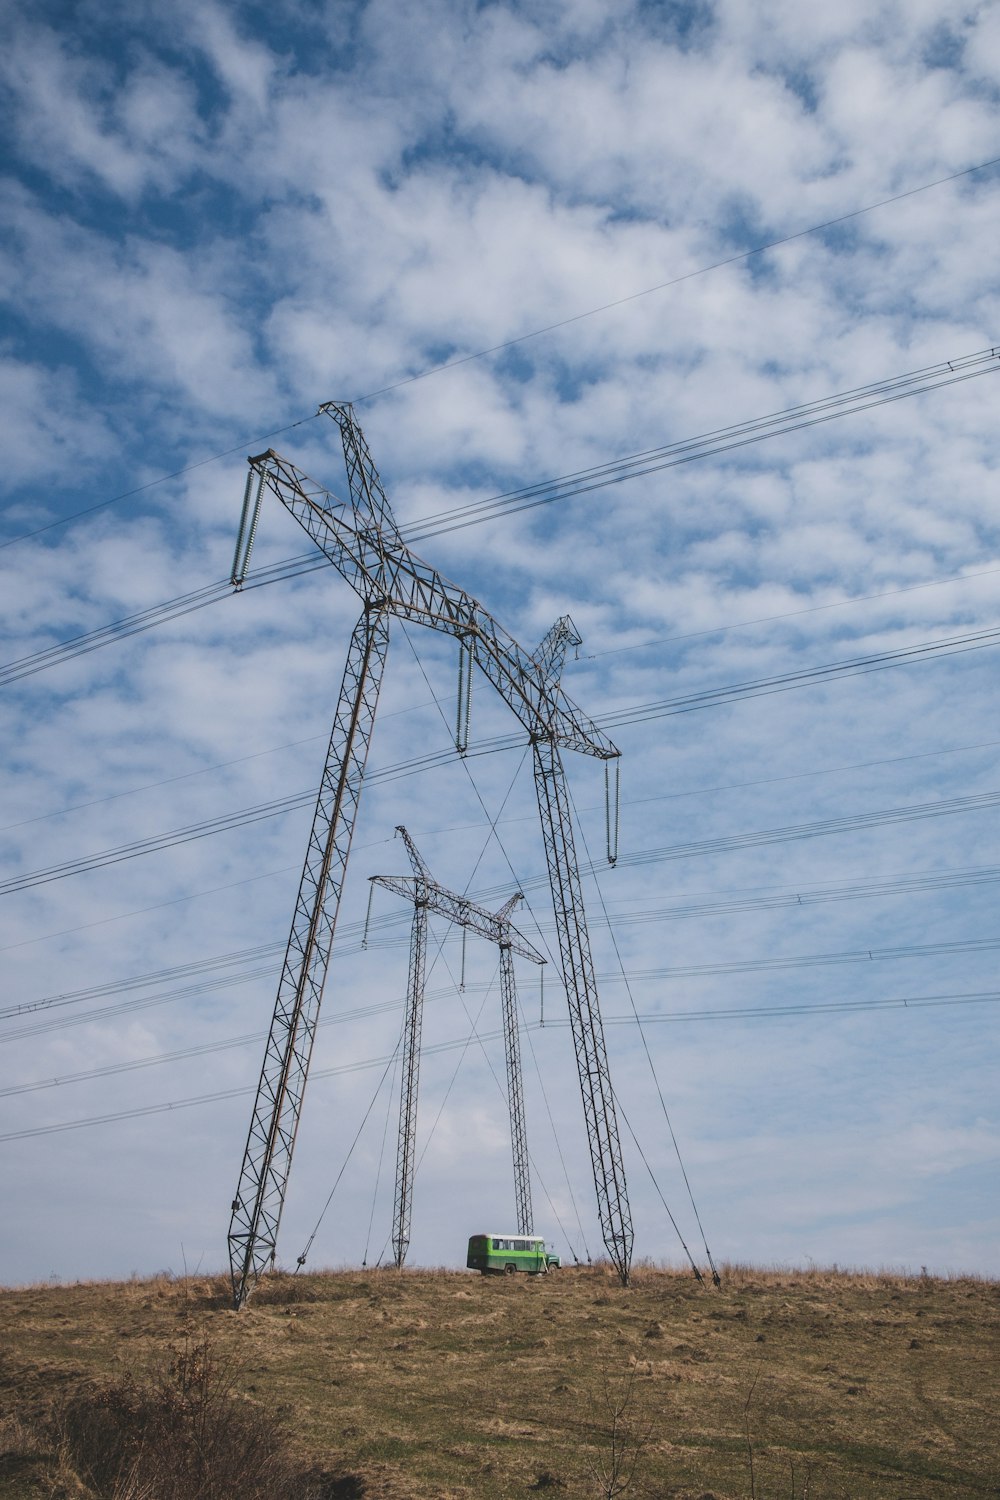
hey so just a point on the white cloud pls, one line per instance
(210, 232)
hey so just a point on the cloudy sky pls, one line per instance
(526, 240)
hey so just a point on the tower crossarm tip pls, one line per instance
(363, 543)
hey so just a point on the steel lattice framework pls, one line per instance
(360, 538)
(427, 896)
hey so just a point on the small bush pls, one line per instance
(187, 1435)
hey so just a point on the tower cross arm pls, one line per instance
(386, 574)
(402, 885)
(494, 926)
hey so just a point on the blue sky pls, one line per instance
(219, 216)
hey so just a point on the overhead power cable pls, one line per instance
(151, 484)
(636, 714)
(823, 827)
(730, 260)
(436, 369)
(349, 940)
(722, 440)
(365, 1012)
(789, 614)
(633, 466)
(764, 687)
(147, 619)
(199, 968)
(743, 1013)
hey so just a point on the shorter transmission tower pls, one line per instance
(427, 896)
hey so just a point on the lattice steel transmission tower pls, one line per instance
(428, 896)
(360, 538)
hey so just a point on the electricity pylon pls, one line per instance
(360, 538)
(428, 896)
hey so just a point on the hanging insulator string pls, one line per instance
(463, 715)
(368, 917)
(612, 807)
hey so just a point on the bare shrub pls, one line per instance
(187, 1435)
(623, 1431)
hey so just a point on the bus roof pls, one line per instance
(508, 1234)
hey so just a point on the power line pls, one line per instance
(748, 1013)
(147, 619)
(897, 388)
(911, 883)
(636, 714)
(509, 344)
(823, 827)
(731, 260)
(160, 479)
(723, 440)
(761, 687)
(914, 882)
(792, 614)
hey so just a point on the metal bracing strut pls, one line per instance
(407, 1143)
(515, 1094)
(428, 896)
(361, 539)
(256, 1209)
(584, 1010)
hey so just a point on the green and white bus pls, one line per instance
(506, 1254)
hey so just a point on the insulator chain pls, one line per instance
(368, 917)
(248, 527)
(463, 714)
(612, 806)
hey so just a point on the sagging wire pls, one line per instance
(301, 1260)
(716, 1279)
(694, 1266)
(381, 1154)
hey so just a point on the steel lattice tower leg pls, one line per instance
(584, 1009)
(256, 1210)
(408, 1093)
(515, 1094)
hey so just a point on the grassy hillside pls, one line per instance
(446, 1384)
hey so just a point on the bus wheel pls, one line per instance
(510, 1270)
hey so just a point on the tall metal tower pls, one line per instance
(428, 896)
(360, 538)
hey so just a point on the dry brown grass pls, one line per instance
(813, 1384)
